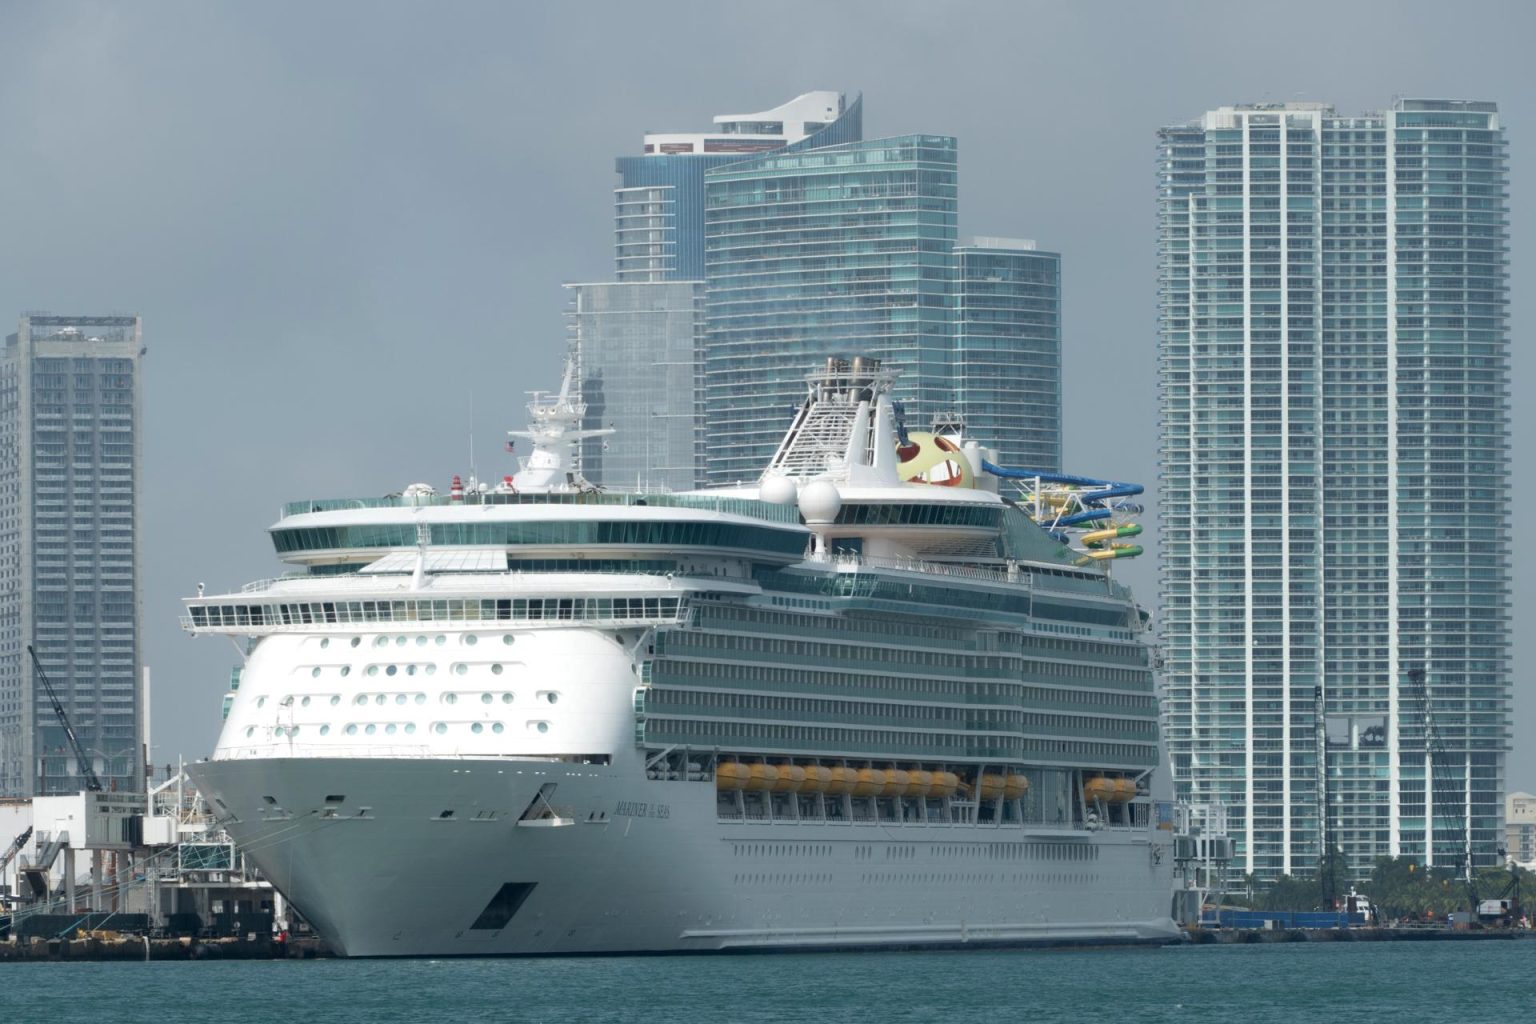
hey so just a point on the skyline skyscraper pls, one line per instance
(1334, 365)
(825, 252)
(69, 465)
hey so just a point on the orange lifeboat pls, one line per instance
(1099, 789)
(868, 782)
(918, 783)
(1015, 786)
(990, 787)
(790, 778)
(730, 776)
(1125, 791)
(840, 781)
(816, 778)
(943, 784)
(895, 782)
(761, 777)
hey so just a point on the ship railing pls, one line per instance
(843, 560)
(389, 625)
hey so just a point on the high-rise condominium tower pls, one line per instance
(1334, 499)
(69, 462)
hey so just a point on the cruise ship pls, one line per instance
(884, 697)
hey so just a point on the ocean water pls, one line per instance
(1337, 983)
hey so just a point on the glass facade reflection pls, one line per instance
(637, 350)
(823, 252)
(1334, 368)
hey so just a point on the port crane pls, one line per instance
(92, 782)
(15, 848)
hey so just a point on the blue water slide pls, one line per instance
(1107, 489)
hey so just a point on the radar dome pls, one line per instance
(777, 490)
(820, 502)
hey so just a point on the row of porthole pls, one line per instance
(467, 639)
(547, 696)
(430, 668)
(390, 728)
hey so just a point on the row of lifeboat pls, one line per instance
(1109, 791)
(732, 776)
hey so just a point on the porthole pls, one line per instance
(325, 642)
(373, 670)
(553, 698)
(304, 703)
(399, 698)
(361, 698)
(351, 730)
(380, 641)
(440, 728)
(496, 669)
(506, 698)
(390, 728)
(450, 698)
(356, 640)
(391, 670)
(401, 641)
(371, 729)
(315, 672)
(335, 699)
(440, 639)
(432, 670)
(293, 731)
(410, 670)
(460, 669)
(486, 698)
(346, 670)
(543, 726)
(261, 701)
(250, 731)
(477, 727)
(497, 727)
(380, 699)
(421, 698)
(410, 727)
(421, 641)
(508, 639)
(470, 639)
(325, 730)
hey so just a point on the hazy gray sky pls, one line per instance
(342, 221)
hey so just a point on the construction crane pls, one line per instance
(15, 848)
(87, 773)
(1445, 788)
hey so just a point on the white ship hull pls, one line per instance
(631, 865)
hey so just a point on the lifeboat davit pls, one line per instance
(816, 779)
(990, 787)
(868, 782)
(1099, 789)
(841, 781)
(790, 778)
(760, 778)
(943, 784)
(730, 776)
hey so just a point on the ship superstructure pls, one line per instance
(867, 702)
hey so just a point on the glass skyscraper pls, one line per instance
(1008, 349)
(1334, 366)
(818, 252)
(69, 459)
(637, 360)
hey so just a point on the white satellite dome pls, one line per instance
(820, 502)
(778, 490)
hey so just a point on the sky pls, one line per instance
(346, 225)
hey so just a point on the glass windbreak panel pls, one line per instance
(583, 533)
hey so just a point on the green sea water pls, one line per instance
(1444, 982)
